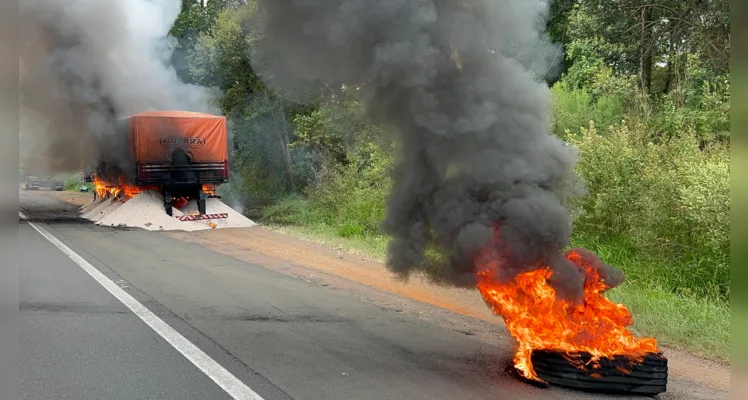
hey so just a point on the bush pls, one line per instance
(73, 183)
(353, 196)
(575, 108)
(669, 201)
(293, 210)
(349, 198)
(707, 116)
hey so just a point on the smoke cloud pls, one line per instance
(460, 85)
(87, 63)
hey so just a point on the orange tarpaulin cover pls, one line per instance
(154, 135)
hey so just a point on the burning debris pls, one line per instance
(539, 320)
(209, 190)
(610, 375)
(104, 189)
(480, 187)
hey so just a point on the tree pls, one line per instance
(636, 37)
(221, 59)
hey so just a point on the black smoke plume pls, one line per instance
(460, 85)
(87, 64)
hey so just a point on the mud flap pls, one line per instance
(167, 203)
(201, 197)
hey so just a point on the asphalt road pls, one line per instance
(285, 338)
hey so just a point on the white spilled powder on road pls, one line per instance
(100, 210)
(86, 210)
(114, 206)
(90, 206)
(146, 211)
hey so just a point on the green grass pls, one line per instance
(659, 296)
(370, 247)
(74, 183)
(698, 324)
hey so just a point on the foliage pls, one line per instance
(318, 132)
(221, 59)
(699, 106)
(74, 182)
(348, 196)
(670, 201)
(575, 108)
(644, 95)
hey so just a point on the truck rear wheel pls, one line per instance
(201, 208)
(167, 204)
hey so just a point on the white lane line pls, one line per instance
(228, 382)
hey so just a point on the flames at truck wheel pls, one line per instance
(125, 190)
(209, 190)
(119, 189)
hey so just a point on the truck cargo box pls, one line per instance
(154, 135)
(178, 147)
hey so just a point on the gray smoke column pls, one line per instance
(460, 86)
(87, 63)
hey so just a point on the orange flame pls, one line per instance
(210, 190)
(104, 189)
(539, 321)
(120, 189)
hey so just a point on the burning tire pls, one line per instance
(616, 375)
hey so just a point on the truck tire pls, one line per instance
(201, 199)
(167, 204)
(614, 376)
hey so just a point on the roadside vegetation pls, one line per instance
(73, 183)
(644, 95)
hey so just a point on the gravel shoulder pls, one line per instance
(460, 309)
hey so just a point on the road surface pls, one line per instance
(130, 314)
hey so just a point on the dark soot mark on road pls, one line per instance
(70, 308)
(285, 319)
(56, 220)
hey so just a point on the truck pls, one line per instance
(36, 182)
(35, 175)
(182, 154)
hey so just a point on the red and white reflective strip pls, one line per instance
(201, 217)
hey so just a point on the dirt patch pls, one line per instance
(463, 310)
(74, 198)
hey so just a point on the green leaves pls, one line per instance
(221, 57)
(670, 199)
(655, 161)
